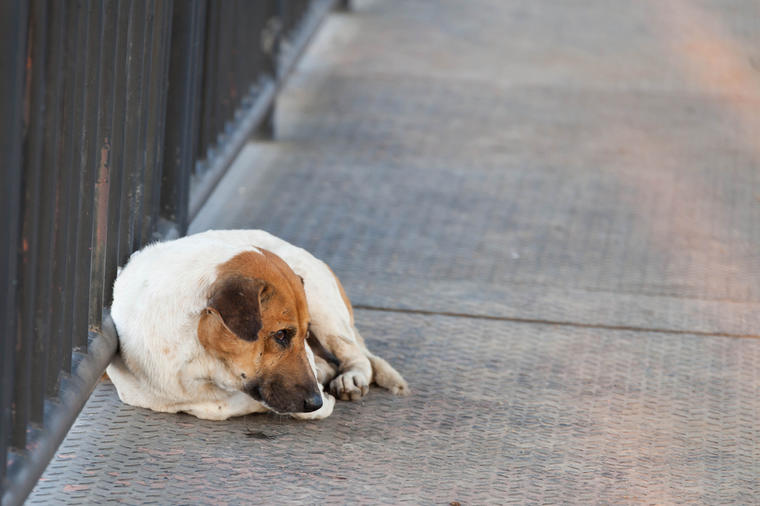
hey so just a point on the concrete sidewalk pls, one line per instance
(548, 217)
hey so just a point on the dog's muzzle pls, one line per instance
(254, 391)
(312, 403)
(298, 400)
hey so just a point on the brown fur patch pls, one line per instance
(257, 295)
(236, 299)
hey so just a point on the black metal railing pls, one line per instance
(117, 119)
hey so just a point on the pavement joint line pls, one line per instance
(637, 293)
(559, 323)
(385, 74)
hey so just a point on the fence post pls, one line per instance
(13, 26)
(271, 39)
(182, 110)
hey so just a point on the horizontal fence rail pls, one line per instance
(117, 119)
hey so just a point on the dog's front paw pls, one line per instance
(350, 386)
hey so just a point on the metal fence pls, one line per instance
(117, 119)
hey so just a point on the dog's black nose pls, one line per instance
(312, 403)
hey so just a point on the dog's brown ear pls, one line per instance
(237, 300)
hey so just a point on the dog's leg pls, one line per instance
(325, 370)
(357, 367)
(325, 364)
(382, 372)
(355, 371)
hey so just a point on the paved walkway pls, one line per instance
(548, 215)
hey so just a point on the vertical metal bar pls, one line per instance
(117, 172)
(133, 161)
(158, 157)
(220, 76)
(276, 27)
(149, 40)
(240, 63)
(35, 90)
(49, 281)
(141, 219)
(203, 36)
(153, 39)
(262, 13)
(245, 59)
(226, 56)
(90, 157)
(182, 120)
(285, 12)
(13, 26)
(103, 147)
(92, 20)
(253, 41)
(209, 87)
(267, 129)
(71, 118)
(60, 354)
(156, 112)
(218, 79)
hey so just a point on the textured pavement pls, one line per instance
(548, 214)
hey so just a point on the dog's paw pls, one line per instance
(399, 388)
(388, 377)
(350, 386)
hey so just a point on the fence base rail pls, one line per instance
(60, 413)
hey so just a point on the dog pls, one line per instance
(230, 322)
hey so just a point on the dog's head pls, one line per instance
(256, 323)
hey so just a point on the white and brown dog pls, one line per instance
(231, 322)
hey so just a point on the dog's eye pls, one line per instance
(282, 336)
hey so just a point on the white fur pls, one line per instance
(158, 299)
